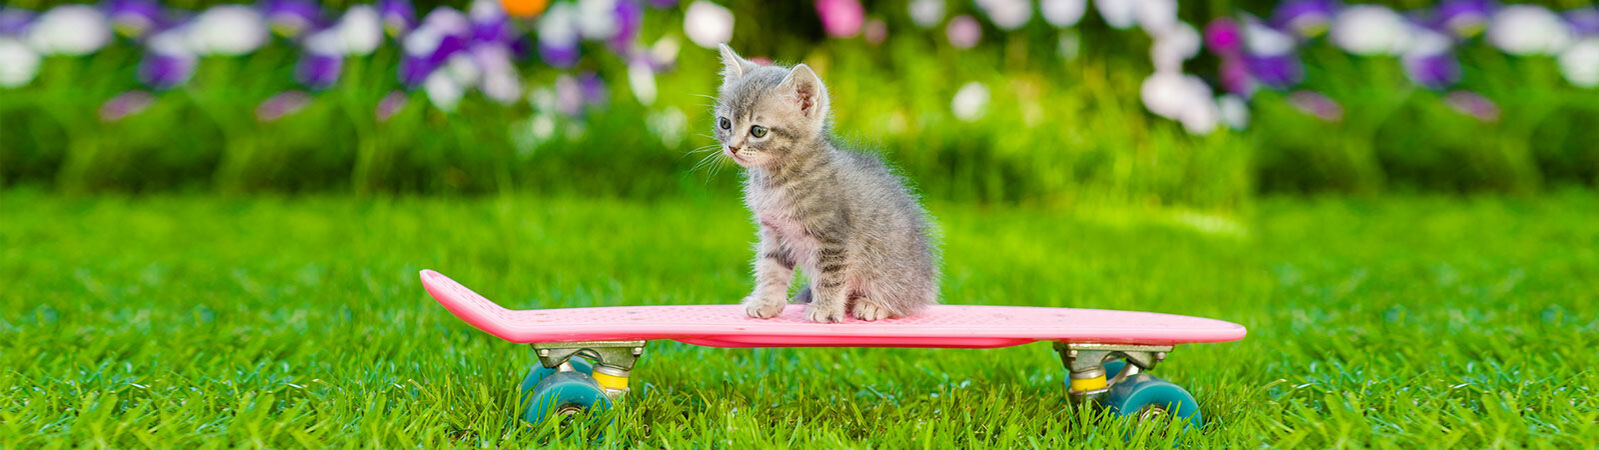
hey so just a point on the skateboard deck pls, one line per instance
(939, 326)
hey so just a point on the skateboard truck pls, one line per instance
(1086, 362)
(613, 360)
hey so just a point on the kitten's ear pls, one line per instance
(732, 65)
(805, 90)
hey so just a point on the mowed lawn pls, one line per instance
(211, 321)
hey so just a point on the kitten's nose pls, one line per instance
(733, 149)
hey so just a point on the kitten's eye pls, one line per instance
(726, 124)
(758, 131)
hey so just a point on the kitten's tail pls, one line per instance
(803, 297)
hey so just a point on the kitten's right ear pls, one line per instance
(733, 66)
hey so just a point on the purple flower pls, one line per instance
(629, 17)
(14, 21)
(490, 24)
(1308, 18)
(558, 36)
(1584, 21)
(1463, 18)
(414, 70)
(1224, 37)
(290, 18)
(1275, 71)
(317, 70)
(560, 57)
(399, 17)
(592, 88)
(133, 18)
(167, 61)
(1432, 70)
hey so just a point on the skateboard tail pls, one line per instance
(472, 308)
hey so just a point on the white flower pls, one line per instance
(1164, 93)
(1424, 41)
(1528, 30)
(708, 24)
(1580, 63)
(18, 63)
(1155, 16)
(1370, 30)
(1062, 13)
(642, 80)
(1185, 98)
(558, 27)
(228, 30)
(1263, 40)
(1202, 116)
(422, 41)
(503, 87)
(462, 69)
(665, 50)
(361, 30)
(596, 19)
(72, 30)
(970, 101)
(669, 125)
(1119, 14)
(1007, 14)
(447, 20)
(927, 13)
(500, 80)
(1178, 43)
(485, 10)
(1233, 111)
(443, 91)
(326, 42)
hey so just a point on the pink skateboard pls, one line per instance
(1105, 351)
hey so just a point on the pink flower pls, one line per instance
(964, 32)
(876, 31)
(1315, 104)
(841, 18)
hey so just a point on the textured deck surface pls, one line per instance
(944, 326)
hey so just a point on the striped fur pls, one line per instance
(841, 216)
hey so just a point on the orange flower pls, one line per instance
(524, 8)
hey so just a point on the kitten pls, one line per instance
(842, 216)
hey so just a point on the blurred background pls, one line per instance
(1200, 104)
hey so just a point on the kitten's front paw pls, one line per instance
(823, 313)
(763, 309)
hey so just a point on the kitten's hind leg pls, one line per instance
(866, 309)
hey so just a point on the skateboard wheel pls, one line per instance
(538, 372)
(564, 394)
(1149, 398)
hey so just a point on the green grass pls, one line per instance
(180, 321)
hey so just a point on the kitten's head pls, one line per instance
(767, 113)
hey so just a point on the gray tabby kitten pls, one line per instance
(840, 215)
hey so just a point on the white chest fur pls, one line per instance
(777, 214)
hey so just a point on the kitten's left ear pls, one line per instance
(806, 92)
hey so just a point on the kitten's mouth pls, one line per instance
(736, 158)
